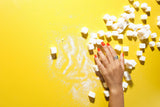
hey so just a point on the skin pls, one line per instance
(112, 72)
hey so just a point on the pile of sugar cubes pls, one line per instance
(118, 26)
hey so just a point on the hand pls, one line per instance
(111, 69)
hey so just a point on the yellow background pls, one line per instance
(29, 28)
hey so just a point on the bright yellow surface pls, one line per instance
(28, 78)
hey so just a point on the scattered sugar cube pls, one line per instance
(118, 48)
(147, 27)
(113, 18)
(109, 23)
(92, 41)
(125, 48)
(84, 30)
(90, 46)
(132, 26)
(136, 4)
(153, 35)
(142, 45)
(158, 18)
(106, 93)
(99, 41)
(114, 26)
(144, 17)
(92, 94)
(133, 63)
(132, 16)
(158, 44)
(135, 34)
(108, 34)
(94, 35)
(139, 26)
(120, 36)
(125, 16)
(158, 23)
(127, 8)
(152, 44)
(139, 53)
(101, 33)
(131, 10)
(104, 85)
(115, 33)
(144, 6)
(53, 50)
(106, 17)
(129, 33)
(127, 76)
(148, 9)
(95, 67)
(131, 0)
(125, 85)
(142, 58)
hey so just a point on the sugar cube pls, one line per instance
(92, 94)
(144, 17)
(158, 23)
(92, 41)
(152, 44)
(132, 26)
(142, 45)
(109, 23)
(115, 33)
(131, 10)
(132, 16)
(94, 35)
(136, 4)
(144, 6)
(127, 8)
(106, 17)
(158, 44)
(120, 36)
(125, 48)
(135, 34)
(95, 67)
(108, 34)
(142, 58)
(129, 33)
(148, 9)
(158, 18)
(147, 27)
(90, 46)
(139, 53)
(53, 50)
(99, 41)
(106, 93)
(101, 33)
(127, 76)
(113, 18)
(114, 26)
(118, 47)
(84, 30)
(125, 85)
(153, 35)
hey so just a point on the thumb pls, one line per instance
(122, 60)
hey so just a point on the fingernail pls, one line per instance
(98, 49)
(108, 44)
(123, 54)
(95, 56)
(102, 43)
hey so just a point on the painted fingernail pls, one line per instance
(98, 49)
(108, 44)
(102, 43)
(123, 54)
(95, 56)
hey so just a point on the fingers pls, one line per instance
(99, 64)
(122, 60)
(113, 52)
(102, 57)
(107, 51)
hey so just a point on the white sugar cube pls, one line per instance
(135, 34)
(84, 30)
(142, 58)
(129, 33)
(127, 76)
(108, 34)
(158, 44)
(147, 27)
(90, 46)
(109, 23)
(125, 85)
(105, 85)
(127, 8)
(125, 16)
(153, 35)
(120, 36)
(53, 50)
(158, 18)
(113, 18)
(158, 23)
(101, 33)
(118, 48)
(142, 45)
(92, 41)
(125, 48)
(133, 63)
(139, 53)
(131, 0)
(144, 6)
(106, 17)
(144, 17)
(92, 94)
(148, 9)
(106, 93)
(99, 41)
(94, 35)
(95, 67)
(114, 26)
(114, 33)
(136, 4)
(132, 16)
(139, 26)
(152, 44)
(132, 26)
(146, 36)
(131, 10)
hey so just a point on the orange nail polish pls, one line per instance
(95, 56)
(108, 44)
(123, 54)
(102, 43)
(98, 49)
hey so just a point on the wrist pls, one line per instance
(116, 90)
